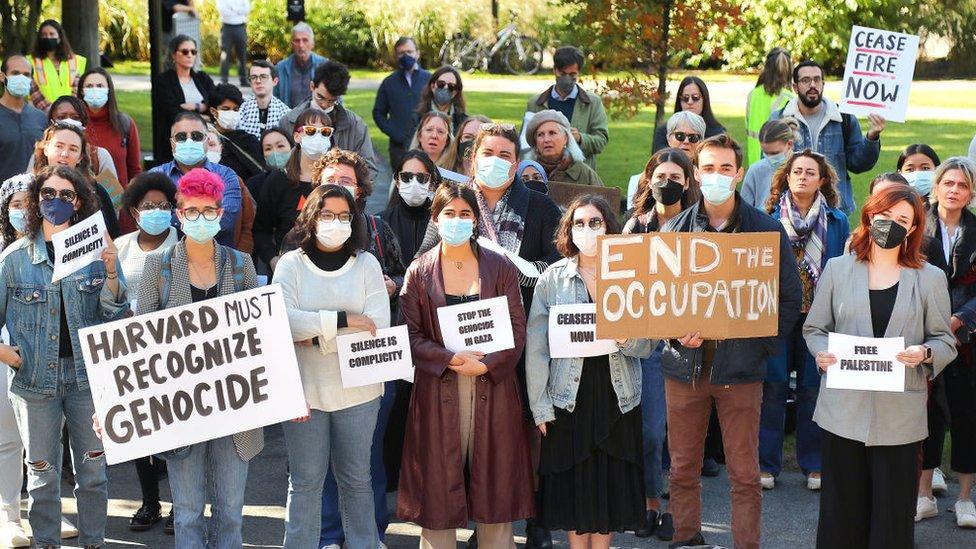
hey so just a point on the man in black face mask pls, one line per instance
(583, 109)
(397, 98)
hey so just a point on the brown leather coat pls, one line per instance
(433, 492)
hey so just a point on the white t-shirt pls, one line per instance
(133, 258)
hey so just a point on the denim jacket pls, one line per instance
(30, 308)
(553, 382)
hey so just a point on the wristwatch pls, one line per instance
(928, 353)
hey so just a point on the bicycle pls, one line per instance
(516, 52)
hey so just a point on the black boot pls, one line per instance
(710, 468)
(144, 518)
(649, 526)
(536, 537)
(665, 527)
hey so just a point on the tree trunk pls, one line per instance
(80, 21)
(18, 25)
(663, 63)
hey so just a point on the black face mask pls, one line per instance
(668, 192)
(49, 44)
(463, 148)
(887, 234)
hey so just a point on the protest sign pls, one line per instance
(632, 185)
(365, 359)
(483, 325)
(667, 285)
(878, 74)
(866, 363)
(189, 374)
(563, 194)
(572, 332)
(455, 177)
(525, 266)
(78, 245)
(523, 142)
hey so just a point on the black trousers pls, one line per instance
(958, 382)
(867, 496)
(149, 469)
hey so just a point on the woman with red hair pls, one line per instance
(871, 440)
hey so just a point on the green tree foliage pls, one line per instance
(18, 24)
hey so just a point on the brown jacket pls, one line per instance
(433, 492)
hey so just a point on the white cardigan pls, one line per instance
(313, 299)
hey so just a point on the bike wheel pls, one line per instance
(462, 53)
(523, 55)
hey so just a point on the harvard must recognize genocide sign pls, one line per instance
(667, 285)
(194, 373)
(879, 71)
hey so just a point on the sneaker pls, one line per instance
(168, 526)
(925, 508)
(939, 487)
(68, 530)
(693, 542)
(650, 524)
(13, 535)
(813, 482)
(965, 514)
(665, 527)
(144, 518)
(710, 468)
(767, 481)
(332, 546)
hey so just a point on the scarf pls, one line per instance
(808, 233)
(505, 224)
(560, 165)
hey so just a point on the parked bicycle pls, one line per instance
(512, 51)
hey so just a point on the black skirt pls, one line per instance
(590, 471)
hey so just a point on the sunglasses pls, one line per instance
(309, 131)
(187, 51)
(49, 193)
(691, 98)
(593, 223)
(689, 137)
(440, 84)
(195, 135)
(420, 177)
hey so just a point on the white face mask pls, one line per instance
(214, 156)
(316, 145)
(414, 193)
(585, 239)
(228, 120)
(332, 234)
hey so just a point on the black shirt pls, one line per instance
(409, 223)
(278, 207)
(64, 339)
(459, 299)
(199, 294)
(882, 304)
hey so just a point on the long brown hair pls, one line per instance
(115, 117)
(644, 198)
(564, 232)
(910, 253)
(83, 188)
(293, 168)
(40, 159)
(427, 96)
(781, 179)
(776, 72)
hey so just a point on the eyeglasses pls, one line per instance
(195, 135)
(496, 126)
(345, 217)
(187, 51)
(309, 131)
(259, 77)
(593, 223)
(689, 137)
(192, 214)
(441, 84)
(341, 181)
(808, 80)
(146, 206)
(50, 193)
(693, 98)
(422, 178)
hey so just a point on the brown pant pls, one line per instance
(738, 413)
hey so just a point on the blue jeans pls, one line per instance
(792, 356)
(39, 420)
(654, 420)
(343, 439)
(331, 515)
(213, 467)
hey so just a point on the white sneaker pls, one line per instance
(813, 482)
(13, 535)
(383, 545)
(68, 530)
(939, 483)
(767, 480)
(965, 514)
(925, 508)
(332, 546)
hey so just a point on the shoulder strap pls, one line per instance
(126, 124)
(165, 275)
(845, 126)
(376, 235)
(237, 267)
(245, 154)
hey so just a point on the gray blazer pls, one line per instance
(248, 443)
(921, 316)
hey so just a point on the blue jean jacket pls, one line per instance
(30, 308)
(553, 382)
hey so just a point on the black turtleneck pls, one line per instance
(410, 225)
(329, 262)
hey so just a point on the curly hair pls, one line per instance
(142, 184)
(336, 157)
(307, 223)
(644, 197)
(40, 158)
(87, 201)
(200, 183)
(781, 180)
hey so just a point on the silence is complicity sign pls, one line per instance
(878, 74)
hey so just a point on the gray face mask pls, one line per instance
(565, 83)
(443, 97)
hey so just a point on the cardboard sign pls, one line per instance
(572, 332)
(78, 245)
(866, 363)
(878, 74)
(525, 266)
(523, 142)
(667, 285)
(365, 359)
(563, 194)
(194, 373)
(483, 325)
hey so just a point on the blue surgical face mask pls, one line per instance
(202, 229)
(776, 160)
(18, 219)
(155, 221)
(920, 181)
(18, 85)
(190, 152)
(456, 231)
(277, 159)
(493, 171)
(96, 97)
(716, 188)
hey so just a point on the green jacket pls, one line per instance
(759, 106)
(578, 173)
(589, 117)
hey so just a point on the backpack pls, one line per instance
(166, 272)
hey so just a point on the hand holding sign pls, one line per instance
(912, 356)
(110, 255)
(877, 125)
(866, 363)
(81, 244)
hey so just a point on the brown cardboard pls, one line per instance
(635, 300)
(563, 194)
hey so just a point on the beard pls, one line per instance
(809, 102)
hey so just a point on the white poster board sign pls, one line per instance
(572, 332)
(632, 184)
(878, 74)
(458, 178)
(78, 245)
(866, 363)
(190, 374)
(523, 142)
(365, 359)
(525, 266)
(483, 325)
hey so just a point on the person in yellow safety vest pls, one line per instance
(772, 93)
(56, 66)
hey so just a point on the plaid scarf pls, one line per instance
(808, 233)
(506, 223)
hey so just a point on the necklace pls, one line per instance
(459, 265)
(196, 270)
